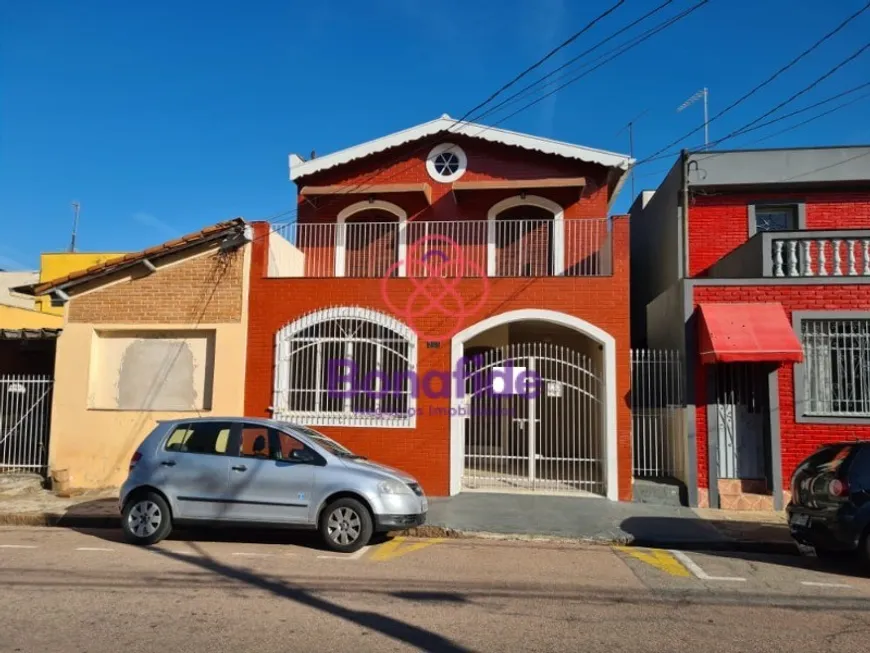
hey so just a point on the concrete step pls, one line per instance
(12, 485)
(660, 491)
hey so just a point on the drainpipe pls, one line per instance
(684, 222)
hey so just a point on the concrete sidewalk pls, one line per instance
(495, 515)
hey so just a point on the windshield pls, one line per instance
(327, 443)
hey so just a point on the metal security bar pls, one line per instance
(836, 367)
(463, 248)
(657, 414)
(25, 413)
(548, 440)
(345, 366)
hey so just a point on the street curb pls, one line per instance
(733, 546)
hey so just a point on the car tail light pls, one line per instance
(838, 488)
(134, 460)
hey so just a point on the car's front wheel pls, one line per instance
(346, 525)
(146, 519)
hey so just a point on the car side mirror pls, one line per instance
(301, 456)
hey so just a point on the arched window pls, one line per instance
(346, 366)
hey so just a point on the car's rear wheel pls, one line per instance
(346, 525)
(146, 519)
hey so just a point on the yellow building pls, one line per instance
(54, 265)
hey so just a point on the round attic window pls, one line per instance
(446, 162)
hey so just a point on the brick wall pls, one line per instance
(798, 440)
(424, 450)
(205, 289)
(718, 224)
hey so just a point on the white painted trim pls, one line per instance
(280, 409)
(607, 341)
(440, 149)
(300, 168)
(529, 200)
(358, 207)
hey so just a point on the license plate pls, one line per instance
(800, 520)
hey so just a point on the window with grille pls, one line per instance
(347, 367)
(836, 370)
(775, 218)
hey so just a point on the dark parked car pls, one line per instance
(830, 504)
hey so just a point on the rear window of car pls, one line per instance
(827, 460)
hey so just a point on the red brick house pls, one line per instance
(756, 265)
(427, 276)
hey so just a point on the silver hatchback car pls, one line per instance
(262, 472)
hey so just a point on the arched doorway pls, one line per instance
(560, 438)
(370, 239)
(526, 237)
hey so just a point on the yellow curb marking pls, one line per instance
(661, 560)
(394, 549)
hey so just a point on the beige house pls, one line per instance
(158, 334)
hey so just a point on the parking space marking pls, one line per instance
(17, 546)
(658, 558)
(395, 549)
(350, 556)
(92, 548)
(811, 583)
(692, 566)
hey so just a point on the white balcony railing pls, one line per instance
(818, 255)
(455, 248)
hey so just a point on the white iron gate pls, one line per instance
(25, 412)
(551, 439)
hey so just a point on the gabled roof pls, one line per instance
(236, 226)
(301, 168)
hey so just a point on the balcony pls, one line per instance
(793, 254)
(456, 248)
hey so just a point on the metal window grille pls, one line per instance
(836, 367)
(346, 367)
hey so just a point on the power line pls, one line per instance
(637, 42)
(750, 126)
(524, 91)
(552, 52)
(767, 81)
(842, 105)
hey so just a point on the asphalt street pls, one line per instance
(85, 591)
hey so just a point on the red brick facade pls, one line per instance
(424, 451)
(718, 224)
(798, 440)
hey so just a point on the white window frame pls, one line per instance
(816, 372)
(284, 338)
(437, 151)
(359, 207)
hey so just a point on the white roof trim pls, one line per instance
(301, 168)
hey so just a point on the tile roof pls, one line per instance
(209, 233)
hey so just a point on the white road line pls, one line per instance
(92, 548)
(692, 566)
(811, 583)
(353, 556)
(253, 555)
(17, 546)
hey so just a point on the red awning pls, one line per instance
(747, 333)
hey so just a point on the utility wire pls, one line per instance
(524, 91)
(750, 126)
(767, 81)
(576, 78)
(550, 54)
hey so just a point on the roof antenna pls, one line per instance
(313, 154)
(72, 245)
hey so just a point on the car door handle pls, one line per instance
(168, 463)
(240, 468)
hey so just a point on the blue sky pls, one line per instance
(163, 117)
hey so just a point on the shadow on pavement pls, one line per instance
(420, 638)
(770, 543)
